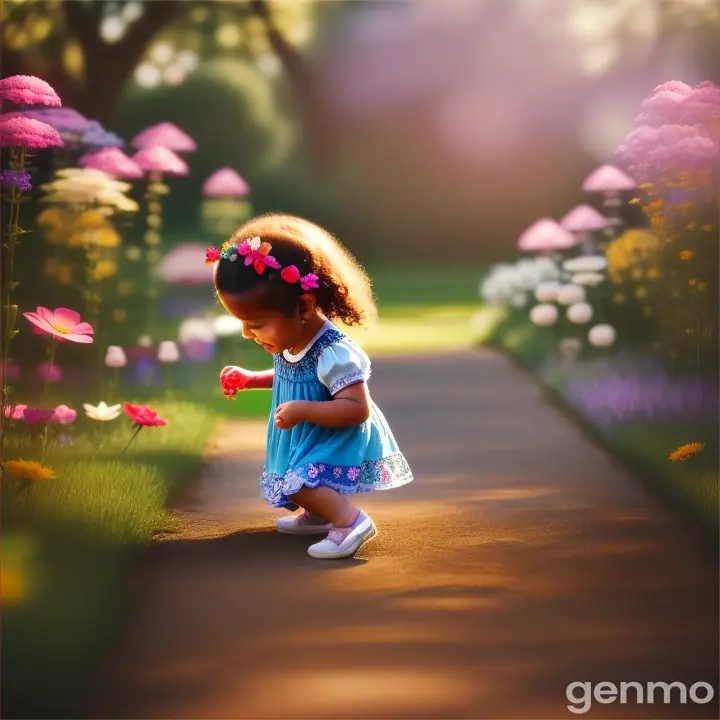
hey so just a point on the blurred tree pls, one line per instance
(89, 51)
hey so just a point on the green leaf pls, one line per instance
(13, 316)
(13, 285)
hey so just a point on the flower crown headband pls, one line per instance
(257, 253)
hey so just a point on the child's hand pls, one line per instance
(234, 379)
(288, 415)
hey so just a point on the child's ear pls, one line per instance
(307, 306)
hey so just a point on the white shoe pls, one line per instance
(299, 525)
(335, 546)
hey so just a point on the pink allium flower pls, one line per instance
(28, 90)
(63, 415)
(112, 161)
(49, 371)
(16, 413)
(608, 178)
(160, 159)
(225, 183)
(33, 415)
(29, 133)
(63, 324)
(164, 135)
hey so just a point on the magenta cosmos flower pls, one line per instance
(17, 130)
(63, 324)
(28, 90)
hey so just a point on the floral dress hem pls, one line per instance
(388, 472)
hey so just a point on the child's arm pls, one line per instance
(350, 406)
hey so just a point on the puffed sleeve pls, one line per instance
(341, 365)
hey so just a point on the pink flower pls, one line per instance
(142, 415)
(16, 413)
(63, 324)
(160, 159)
(49, 371)
(12, 372)
(32, 415)
(63, 415)
(28, 90)
(29, 133)
(256, 253)
(309, 282)
(353, 473)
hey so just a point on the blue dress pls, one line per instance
(357, 459)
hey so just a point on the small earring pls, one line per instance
(302, 321)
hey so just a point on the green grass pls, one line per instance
(691, 487)
(69, 542)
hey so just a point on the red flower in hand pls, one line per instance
(233, 379)
(143, 416)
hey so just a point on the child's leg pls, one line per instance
(327, 503)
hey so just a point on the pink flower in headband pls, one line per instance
(257, 253)
(291, 274)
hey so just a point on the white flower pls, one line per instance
(569, 294)
(591, 279)
(168, 352)
(547, 291)
(102, 412)
(145, 341)
(89, 186)
(586, 263)
(254, 243)
(601, 336)
(196, 329)
(579, 313)
(115, 357)
(518, 300)
(544, 315)
(227, 325)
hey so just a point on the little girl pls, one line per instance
(287, 279)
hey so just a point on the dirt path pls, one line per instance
(520, 560)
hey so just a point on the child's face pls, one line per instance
(271, 329)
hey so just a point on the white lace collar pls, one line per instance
(327, 325)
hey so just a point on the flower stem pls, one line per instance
(135, 434)
(100, 444)
(53, 346)
(17, 162)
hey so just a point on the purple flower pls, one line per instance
(16, 177)
(32, 416)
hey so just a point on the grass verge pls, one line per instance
(67, 543)
(691, 488)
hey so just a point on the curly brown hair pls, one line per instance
(345, 291)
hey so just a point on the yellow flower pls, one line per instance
(125, 287)
(28, 470)
(11, 586)
(119, 315)
(657, 221)
(51, 267)
(653, 273)
(618, 298)
(104, 269)
(702, 286)
(64, 275)
(641, 292)
(692, 282)
(686, 255)
(91, 219)
(152, 238)
(636, 273)
(635, 201)
(686, 451)
(691, 225)
(656, 203)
